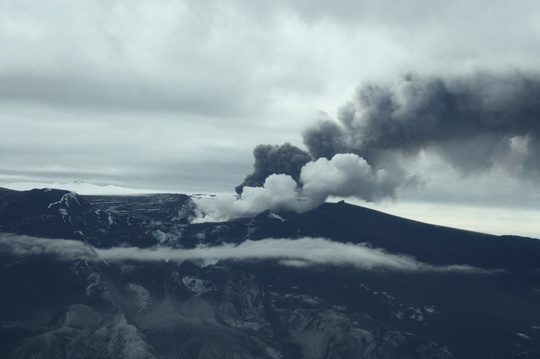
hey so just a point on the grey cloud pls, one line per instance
(100, 93)
(156, 58)
(412, 13)
(296, 252)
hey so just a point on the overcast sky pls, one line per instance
(174, 95)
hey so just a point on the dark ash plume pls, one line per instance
(473, 122)
(325, 140)
(275, 159)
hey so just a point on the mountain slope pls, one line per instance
(428, 243)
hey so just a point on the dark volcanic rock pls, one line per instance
(103, 221)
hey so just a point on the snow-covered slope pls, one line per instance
(80, 187)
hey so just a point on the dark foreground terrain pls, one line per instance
(433, 292)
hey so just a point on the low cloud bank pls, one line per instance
(65, 249)
(292, 252)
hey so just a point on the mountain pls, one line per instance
(135, 277)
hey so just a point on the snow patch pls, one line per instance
(143, 296)
(275, 216)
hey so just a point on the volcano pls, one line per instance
(136, 277)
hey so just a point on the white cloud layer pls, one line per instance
(293, 252)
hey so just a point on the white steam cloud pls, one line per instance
(344, 175)
(293, 252)
(279, 192)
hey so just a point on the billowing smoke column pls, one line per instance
(474, 123)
